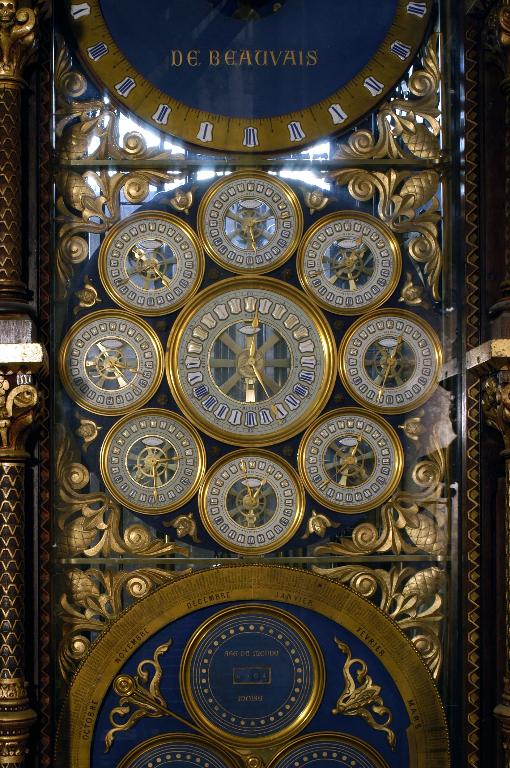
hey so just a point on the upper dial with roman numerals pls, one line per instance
(249, 75)
(250, 361)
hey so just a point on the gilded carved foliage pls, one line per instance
(410, 521)
(90, 521)
(93, 600)
(496, 407)
(361, 697)
(90, 202)
(408, 202)
(139, 695)
(410, 597)
(17, 410)
(406, 127)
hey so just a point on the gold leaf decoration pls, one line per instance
(93, 598)
(140, 695)
(406, 127)
(362, 697)
(412, 598)
(408, 203)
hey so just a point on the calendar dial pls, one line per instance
(250, 222)
(151, 263)
(350, 460)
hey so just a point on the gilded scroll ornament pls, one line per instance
(184, 525)
(315, 200)
(408, 203)
(182, 201)
(410, 521)
(87, 296)
(139, 695)
(409, 126)
(361, 697)
(412, 294)
(412, 598)
(90, 523)
(87, 430)
(93, 599)
(318, 525)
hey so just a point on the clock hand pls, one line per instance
(155, 477)
(262, 484)
(389, 365)
(260, 381)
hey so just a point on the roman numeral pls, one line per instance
(337, 113)
(295, 131)
(162, 114)
(125, 86)
(80, 9)
(417, 9)
(97, 51)
(251, 137)
(374, 86)
(205, 132)
(400, 49)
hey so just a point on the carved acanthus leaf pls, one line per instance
(410, 597)
(406, 127)
(408, 203)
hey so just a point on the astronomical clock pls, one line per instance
(256, 315)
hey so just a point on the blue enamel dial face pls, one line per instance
(249, 75)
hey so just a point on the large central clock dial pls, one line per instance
(249, 75)
(251, 362)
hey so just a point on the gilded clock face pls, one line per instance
(350, 460)
(250, 222)
(152, 461)
(251, 502)
(250, 362)
(151, 263)
(111, 362)
(390, 361)
(248, 75)
(349, 262)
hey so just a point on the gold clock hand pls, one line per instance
(389, 365)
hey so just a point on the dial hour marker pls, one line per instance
(97, 51)
(162, 114)
(205, 132)
(125, 86)
(78, 10)
(374, 86)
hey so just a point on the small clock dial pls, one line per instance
(152, 461)
(151, 263)
(250, 362)
(315, 750)
(350, 460)
(251, 502)
(390, 361)
(349, 262)
(250, 222)
(111, 362)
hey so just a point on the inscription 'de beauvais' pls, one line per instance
(244, 57)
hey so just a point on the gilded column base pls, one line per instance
(16, 719)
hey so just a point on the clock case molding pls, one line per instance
(482, 225)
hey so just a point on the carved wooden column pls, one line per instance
(20, 358)
(492, 362)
